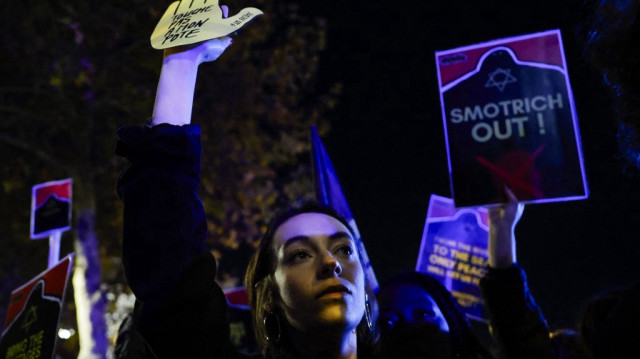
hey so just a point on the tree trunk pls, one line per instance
(89, 299)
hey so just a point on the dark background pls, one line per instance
(75, 75)
(387, 141)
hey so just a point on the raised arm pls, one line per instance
(164, 226)
(502, 238)
(164, 222)
(180, 310)
(518, 327)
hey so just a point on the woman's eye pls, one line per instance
(346, 250)
(424, 314)
(298, 256)
(387, 321)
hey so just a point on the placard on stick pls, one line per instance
(509, 118)
(31, 327)
(189, 21)
(454, 251)
(50, 208)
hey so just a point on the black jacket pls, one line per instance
(518, 326)
(182, 312)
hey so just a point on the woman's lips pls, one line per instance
(334, 291)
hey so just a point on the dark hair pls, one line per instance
(611, 34)
(263, 294)
(464, 343)
(610, 323)
(566, 344)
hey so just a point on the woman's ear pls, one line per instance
(272, 296)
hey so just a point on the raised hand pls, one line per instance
(508, 214)
(190, 21)
(206, 51)
(502, 224)
(174, 97)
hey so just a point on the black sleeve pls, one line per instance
(518, 326)
(164, 226)
(183, 311)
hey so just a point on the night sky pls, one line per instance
(387, 142)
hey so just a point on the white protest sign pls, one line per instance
(189, 21)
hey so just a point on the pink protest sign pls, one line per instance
(50, 208)
(510, 119)
(454, 251)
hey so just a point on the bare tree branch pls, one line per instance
(31, 149)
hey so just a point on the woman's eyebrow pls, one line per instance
(295, 239)
(335, 236)
(340, 235)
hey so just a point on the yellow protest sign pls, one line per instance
(189, 21)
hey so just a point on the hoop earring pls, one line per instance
(272, 327)
(367, 312)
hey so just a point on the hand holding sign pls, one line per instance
(502, 224)
(205, 51)
(189, 21)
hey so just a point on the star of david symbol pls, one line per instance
(500, 78)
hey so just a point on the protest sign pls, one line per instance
(50, 208)
(509, 118)
(454, 251)
(189, 21)
(31, 327)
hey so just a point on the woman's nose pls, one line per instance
(330, 266)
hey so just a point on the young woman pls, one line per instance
(306, 283)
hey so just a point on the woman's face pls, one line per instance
(411, 324)
(407, 305)
(318, 273)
